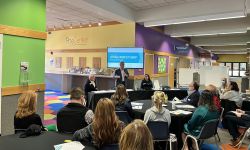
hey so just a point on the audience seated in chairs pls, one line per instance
(26, 112)
(235, 119)
(193, 94)
(232, 93)
(205, 112)
(74, 115)
(121, 101)
(146, 83)
(216, 96)
(105, 129)
(136, 136)
(157, 112)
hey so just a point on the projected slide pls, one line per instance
(133, 57)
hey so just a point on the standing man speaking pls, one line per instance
(123, 75)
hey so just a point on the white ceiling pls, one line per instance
(193, 18)
(64, 13)
(146, 4)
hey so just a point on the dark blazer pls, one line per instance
(193, 99)
(146, 85)
(88, 88)
(118, 73)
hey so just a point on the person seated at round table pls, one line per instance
(146, 83)
(136, 136)
(121, 100)
(235, 119)
(232, 94)
(193, 94)
(158, 112)
(216, 97)
(205, 112)
(105, 129)
(26, 111)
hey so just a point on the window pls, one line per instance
(58, 62)
(82, 62)
(69, 62)
(236, 69)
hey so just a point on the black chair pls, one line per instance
(160, 131)
(208, 130)
(110, 147)
(124, 116)
(68, 122)
(220, 120)
(228, 106)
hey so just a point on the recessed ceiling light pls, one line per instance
(99, 23)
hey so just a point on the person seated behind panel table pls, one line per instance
(232, 93)
(75, 115)
(136, 136)
(205, 112)
(121, 100)
(235, 119)
(26, 111)
(146, 83)
(216, 96)
(90, 86)
(157, 112)
(193, 94)
(105, 129)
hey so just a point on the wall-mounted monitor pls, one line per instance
(133, 57)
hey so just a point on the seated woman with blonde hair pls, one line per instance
(105, 129)
(26, 111)
(136, 136)
(157, 112)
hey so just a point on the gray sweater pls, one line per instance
(152, 114)
(232, 96)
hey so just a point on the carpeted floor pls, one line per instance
(56, 100)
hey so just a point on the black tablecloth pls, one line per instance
(135, 95)
(177, 121)
(45, 141)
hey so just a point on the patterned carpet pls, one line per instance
(54, 101)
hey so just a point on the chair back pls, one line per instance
(221, 113)
(110, 147)
(159, 130)
(209, 129)
(68, 122)
(124, 116)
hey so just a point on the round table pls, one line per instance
(177, 121)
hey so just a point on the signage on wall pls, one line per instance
(181, 49)
(76, 40)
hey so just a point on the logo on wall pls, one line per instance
(74, 40)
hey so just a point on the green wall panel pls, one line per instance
(17, 49)
(29, 14)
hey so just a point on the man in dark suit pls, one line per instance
(90, 85)
(123, 75)
(193, 94)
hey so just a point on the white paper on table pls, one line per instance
(138, 107)
(164, 105)
(104, 91)
(177, 112)
(176, 102)
(136, 104)
(75, 145)
(185, 106)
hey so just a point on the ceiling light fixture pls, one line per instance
(80, 25)
(209, 34)
(195, 19)
(71, 26)
(54, 28)
(99, 23)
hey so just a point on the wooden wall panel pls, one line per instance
(171, 72)
(82, 62)
(97, 62)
